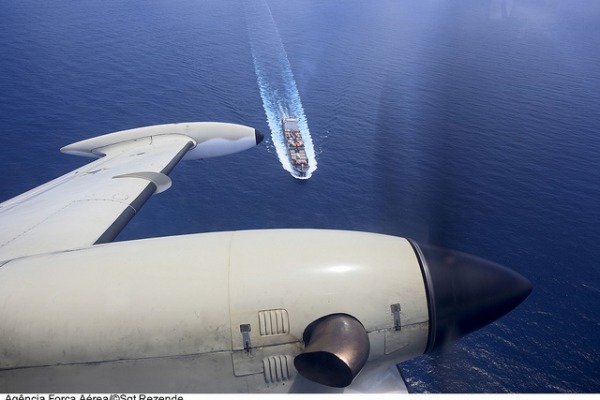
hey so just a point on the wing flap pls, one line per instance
(41, 235)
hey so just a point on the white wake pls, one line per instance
(276, 83)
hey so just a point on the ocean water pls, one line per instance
(468, 124)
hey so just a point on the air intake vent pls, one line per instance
(277, 369)
(273, 322)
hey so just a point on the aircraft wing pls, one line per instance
(92, 204)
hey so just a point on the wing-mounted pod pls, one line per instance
(210, 139)
(336, 349)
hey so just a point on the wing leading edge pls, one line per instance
(92, 204)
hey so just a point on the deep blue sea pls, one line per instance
(470, 124)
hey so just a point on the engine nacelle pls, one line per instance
(236, 309)
(210, 139)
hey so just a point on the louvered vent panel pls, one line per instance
(273, 322)
(277, 368)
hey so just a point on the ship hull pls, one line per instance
(294, 144)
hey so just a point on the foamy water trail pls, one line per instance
(276, 83)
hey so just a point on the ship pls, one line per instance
(295, 145)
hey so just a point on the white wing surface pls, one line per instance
(92, 204)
